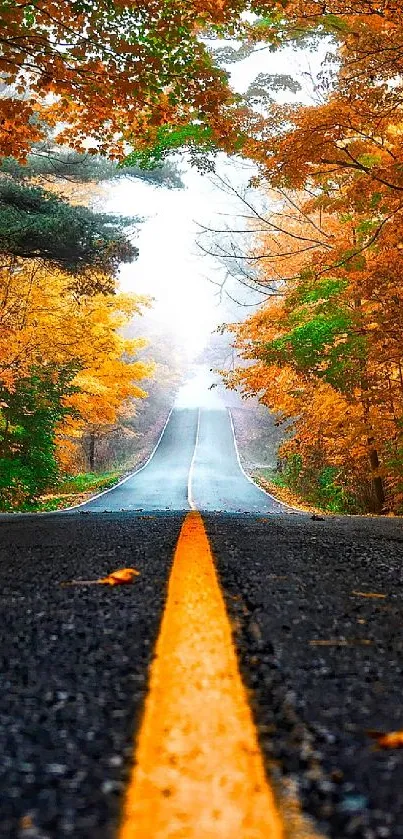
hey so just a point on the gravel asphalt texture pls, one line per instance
(74, 661)
(289, 581)
(74, 666)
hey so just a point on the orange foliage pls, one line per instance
(387, 739)
(106, 72)
(44, 323)
(326, 350)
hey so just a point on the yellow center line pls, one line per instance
(198, 769)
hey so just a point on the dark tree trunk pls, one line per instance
(377, 482)
(91, 452)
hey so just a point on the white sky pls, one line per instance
(170, 267)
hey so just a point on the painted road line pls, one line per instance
(199, 772)
(192, 464)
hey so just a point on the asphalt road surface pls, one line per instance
(316, 607)
(163, 483)
(217, 482)
(195, 465)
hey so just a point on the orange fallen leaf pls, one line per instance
(387, 739)
(120, 577)
(369, 594)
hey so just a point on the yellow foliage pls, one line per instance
(44, 323)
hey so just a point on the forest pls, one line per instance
(93, 90)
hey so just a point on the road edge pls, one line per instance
(250, 479)
(123, 481)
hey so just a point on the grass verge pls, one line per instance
(73, 490)
(272, 482)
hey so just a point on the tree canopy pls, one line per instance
(35, 224)
(49, 162)
(108, 72)
(326, 349)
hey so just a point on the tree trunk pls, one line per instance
(91, 452)
(377, 482)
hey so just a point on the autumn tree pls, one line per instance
(138, 424)
(64, 366)
(106, 385)
(331, 333)
(109, 73)
(326, 349)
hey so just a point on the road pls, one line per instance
(202, 473)
(163, 483)
(316, 611)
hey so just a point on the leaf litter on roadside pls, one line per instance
(122, 576)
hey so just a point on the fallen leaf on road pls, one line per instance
(369, 594)
(119, 577)
(387, 739)
(122, 576)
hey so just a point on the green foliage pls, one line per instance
(291, 473)
(87, 481)
(68, 492)
(35, 224)
(324, 339)
(317, 483)
(370, 160)
(331, 495)
(28, 417)
(320, 290)
(29, 16)
(365, 227)
(376, 198)
(269, 20)
(322, 345)
(170, 138)
(334, 23)
(309, 340)
(48, 161)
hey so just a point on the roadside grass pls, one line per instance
(275, 483)
(72, 490)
